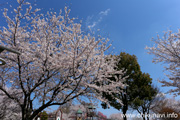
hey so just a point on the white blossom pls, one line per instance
(10, 110)
(58, 63)
(167, 51)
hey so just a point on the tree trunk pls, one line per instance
(148, 114)
(124, 113)
(27, 114)
(144, 117)
(125, 107)
(25, 117)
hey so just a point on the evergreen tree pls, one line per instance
(144, 94)
(132, 70)
(44, 115)
(138, 91)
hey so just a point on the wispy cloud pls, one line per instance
(93, 21)
(104, 12)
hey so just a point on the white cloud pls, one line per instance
(92, 21)
(93, 25)
(104, 12)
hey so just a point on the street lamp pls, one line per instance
(91, 112)
(79, 114)
(2, 62)
(2, 48)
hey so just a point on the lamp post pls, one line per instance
(2, 48)
(91, 112)
(79, 114)
(2, 62)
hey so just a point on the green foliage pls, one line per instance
(130, 65)
(146, 94)
(144, 89)
(44, 115)
(139, 87)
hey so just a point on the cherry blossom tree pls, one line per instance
(58, 62)
(9, 109)
(167, 106)
(167, 51)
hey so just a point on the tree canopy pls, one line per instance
(139, 85)
(131, 68)
(166, 50)
(44, 115)
(144, 94)
(58, 62)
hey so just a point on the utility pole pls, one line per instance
(2, 48)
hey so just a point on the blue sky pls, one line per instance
(130, 25)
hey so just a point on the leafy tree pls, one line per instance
(166, 50)
(58, 63)
(138, 93)
(144, 94)
(132, 70)
(44, 115)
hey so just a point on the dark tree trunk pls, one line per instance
(124, 112)
(144, 117)
(148, 113)
(125, 107)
